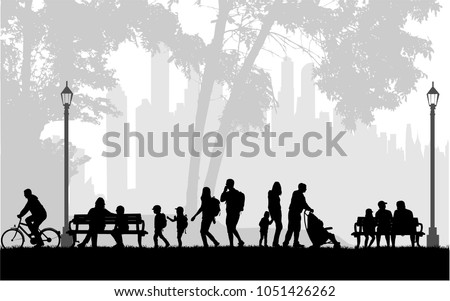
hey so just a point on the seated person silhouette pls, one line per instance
(120, 227)
(97, 222)
(369, 227)
(383, 219)
(403, 223)
(318, 234)
(37, 217)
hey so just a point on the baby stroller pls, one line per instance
(317, 233)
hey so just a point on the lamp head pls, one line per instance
(66, 95)
(433, 96)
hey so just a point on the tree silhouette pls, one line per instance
(364, 59)
(42, 47)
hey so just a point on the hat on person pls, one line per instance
(156, 207)
(381, 202)
(179, 208)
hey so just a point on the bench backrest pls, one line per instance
(360, 222)
(132, 218)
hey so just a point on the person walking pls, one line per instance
(298, 204)
(209, 208)
(235, 205)
(275, 211)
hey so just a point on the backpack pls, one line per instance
(240, 202)
(163, 221)
(214, 207)
(183, 222)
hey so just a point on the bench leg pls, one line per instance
(74, 240)
(140, 241)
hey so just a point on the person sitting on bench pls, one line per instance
(120, 227)
(97, 223)
(403, 223)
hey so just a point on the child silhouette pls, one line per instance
(264, 228)
(369, 227)
(182, 223)
(120, 227)
(160, 224)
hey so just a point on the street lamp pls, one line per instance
(66, 98)
(432, 237)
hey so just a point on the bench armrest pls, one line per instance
(70, 225)
(356, 226)
(143, 225)
(421, 227)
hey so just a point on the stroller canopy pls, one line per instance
(314, 227)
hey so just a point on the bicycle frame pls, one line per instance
(28, 234)
(23, 229)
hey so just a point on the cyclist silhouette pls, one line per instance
(37, 217)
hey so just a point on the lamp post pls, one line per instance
(66, 98)
(432, 237)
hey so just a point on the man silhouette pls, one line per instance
(298, 204)
(234, 207)
(383, 218)
(37, 217)
(97, 222)
(403, 223)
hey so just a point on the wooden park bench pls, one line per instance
(80, 225)
(359, 230)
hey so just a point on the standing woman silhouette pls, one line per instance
(275, 211)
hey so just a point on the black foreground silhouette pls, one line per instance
(225, 263)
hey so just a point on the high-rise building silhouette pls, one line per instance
(306, 108)
(143, 124)
(282, 116)
(160, 80)
(81, 190)
(116, 167)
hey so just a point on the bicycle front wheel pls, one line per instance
(13, 238)
(50, 237)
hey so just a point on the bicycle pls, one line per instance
(14, 237)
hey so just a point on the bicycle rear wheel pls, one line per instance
(13, 238)
(50, 237)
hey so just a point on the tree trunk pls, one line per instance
(209, 77)
(239, 84)
(26, 51)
